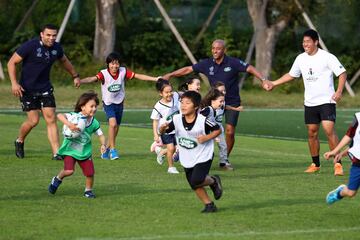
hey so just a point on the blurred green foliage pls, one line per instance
(148, 46)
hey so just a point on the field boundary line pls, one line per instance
(223, 234)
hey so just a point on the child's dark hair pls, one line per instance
(218, 84)
(161, 84)
(185, 86)
(213, 94)
(311, 34)
(194, 97)
(84, 98)
(114, 56)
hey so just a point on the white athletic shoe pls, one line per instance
(173, 170)
(159, 157)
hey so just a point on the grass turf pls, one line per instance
(267, 197)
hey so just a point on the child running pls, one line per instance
(79, 149)
(112, 81)
(352, 136)
(212, 107)
(163, 112)
(223, 152)
(194, 135)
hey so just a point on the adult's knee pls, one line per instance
(113, 124)
(230, 131)
(33, 122)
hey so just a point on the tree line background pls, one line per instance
(147, 45)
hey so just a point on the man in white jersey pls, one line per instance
(317, 67)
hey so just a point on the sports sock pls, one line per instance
(88, 189)
(316, 160)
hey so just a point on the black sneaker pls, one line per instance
(89, 194)
(19, 149)
(58, 157)
(55, 183)
(209, 208)
(216, 187)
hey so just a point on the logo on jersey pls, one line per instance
(38, 52)
(114, 88)
(54, 52)
(310, 71)
(242, 63)
(169, 118)
(187, 143)
(227, 69)
(211, 69)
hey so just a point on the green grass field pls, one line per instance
(267, 197)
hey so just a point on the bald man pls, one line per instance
(223, 68)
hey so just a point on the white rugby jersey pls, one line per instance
(191, 152)
(165, 112)
(113, 90)
(355, 149)
(317, 73)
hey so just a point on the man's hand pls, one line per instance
(17, 90)
(77, 82)
(337, 96)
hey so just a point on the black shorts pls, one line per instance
(316, 114)
(168, 139)
(36, 101)
(197, 174)
(231, 117)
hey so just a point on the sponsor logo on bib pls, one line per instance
(187, 143)
(168, 118)
(114, 88)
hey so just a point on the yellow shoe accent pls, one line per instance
(312, 168)
(338, 170)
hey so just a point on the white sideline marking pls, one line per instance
(221, 234)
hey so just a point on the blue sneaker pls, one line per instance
(114, 154)
(55, 183)
(106, 154)
(89, 194)
(333, 195)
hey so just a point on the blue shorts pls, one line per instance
(114, 111)
(231, 117)
(354, 178)
(168, 139)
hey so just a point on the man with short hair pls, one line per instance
(34, 88)
(224, 69)
(316, 67)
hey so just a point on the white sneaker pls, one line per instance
(173, 170)
(160, 158)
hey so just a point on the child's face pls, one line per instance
(89, 109)
(167, 93)
(114, 67)
(187, 106)
(218, 103)
(194, 86)
(221, 89)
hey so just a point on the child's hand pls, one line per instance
(328, 155)
(73, 127)
(240, 108)
(217, 140)
(163, 127)
(103, 148)
(201, 139)
(337, 157)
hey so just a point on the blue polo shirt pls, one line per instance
(36, 64)
(227, 72)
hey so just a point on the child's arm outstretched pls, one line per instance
(239, 108)
(145, 77)
(62, 118)
(207, 137)
(344, 141)
(89, 79)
